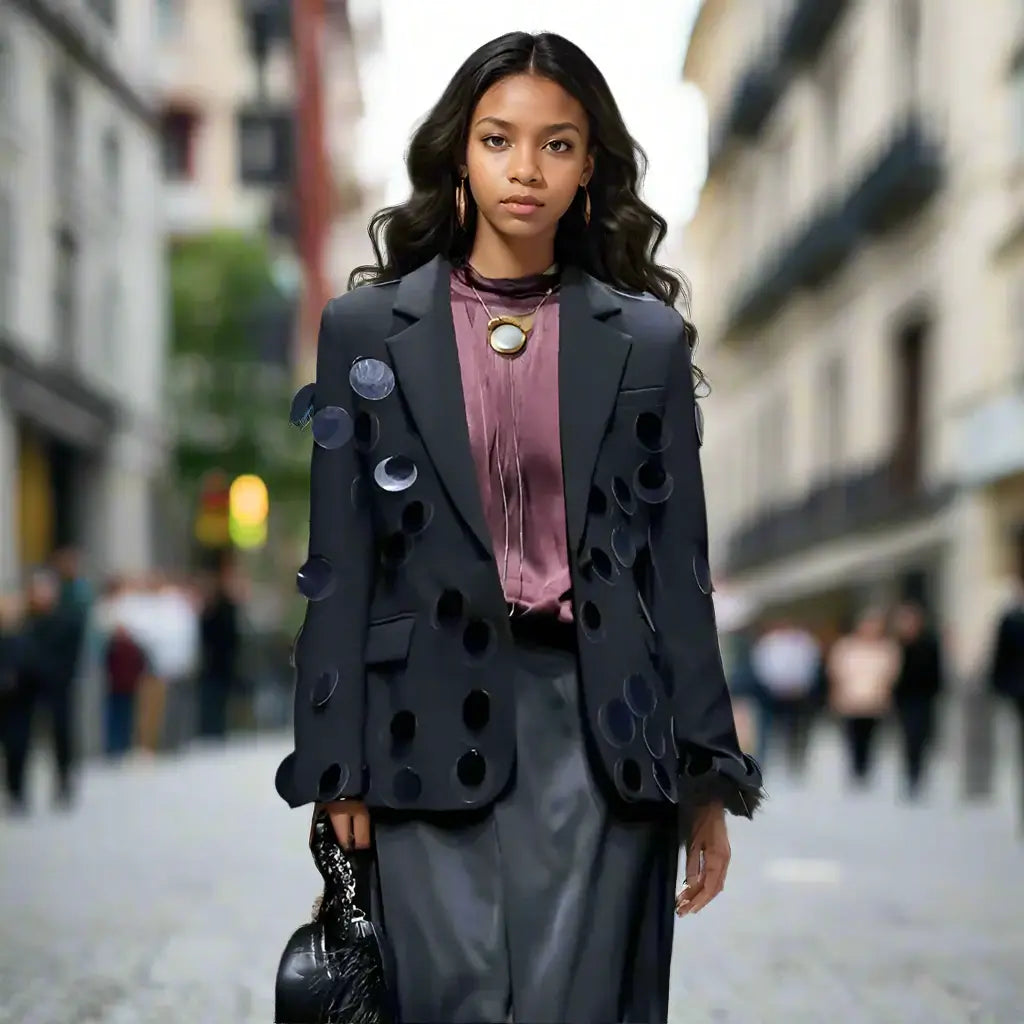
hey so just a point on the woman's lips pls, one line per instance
(521, 209)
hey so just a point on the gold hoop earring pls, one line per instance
(586, 205)
(460, 202)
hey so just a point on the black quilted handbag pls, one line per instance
(338, 969)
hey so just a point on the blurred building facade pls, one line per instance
(82, 308)
(236, 124)
(858, 265)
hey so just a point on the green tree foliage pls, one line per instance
(230, 401)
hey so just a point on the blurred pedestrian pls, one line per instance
(218, 674)
(124, 664)
(11, 647)
(138, 612)
(1007, 670)
(175, 652)
(536, 887)
(917, 689)
(862, 671)
(751, 703)
(786, 660)
(44, 653)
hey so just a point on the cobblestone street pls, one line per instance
(167, 894)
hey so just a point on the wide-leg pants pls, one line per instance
(555, 904)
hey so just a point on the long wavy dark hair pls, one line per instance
(621, 241)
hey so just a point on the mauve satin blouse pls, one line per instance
(512, 406)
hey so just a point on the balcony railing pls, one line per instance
(756, 95)
(824, 246)
(752, 102)
(906, 175)
(883, 495)
(808, 28)
(896, 186)
(764, 82)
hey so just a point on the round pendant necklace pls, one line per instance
(507, 334)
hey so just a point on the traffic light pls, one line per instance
(248, 505)
(212, 528)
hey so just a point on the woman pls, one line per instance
(917, 690)
(509, 661)
(862, 671)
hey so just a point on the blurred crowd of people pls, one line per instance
(167, 650)
(889, 666)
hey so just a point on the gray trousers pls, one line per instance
(553, 905)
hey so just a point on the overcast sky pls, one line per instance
(638, 45)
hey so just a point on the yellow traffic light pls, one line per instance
(249, 505)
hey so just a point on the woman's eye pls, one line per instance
(566, 146)
(493, 141)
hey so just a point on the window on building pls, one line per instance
(178, 133)
(911, 353)
(112, 167)
(265, 147)
(110, 322)
(105, 10)
(8, 254)
(782, 203)
(773, 430)
(64, 107)
(832, 420)
(65, 293)
(830, 91)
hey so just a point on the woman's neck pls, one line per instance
(497, 257)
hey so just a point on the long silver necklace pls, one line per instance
(507, 334)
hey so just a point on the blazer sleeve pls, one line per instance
(327, 763)
(711, 764)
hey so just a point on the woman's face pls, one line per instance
(527, 155)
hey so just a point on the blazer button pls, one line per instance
(371, 379)
(333, 780)
(332, 427)
(471, 769)
(702, 573)
(652, 482)
(315, 579)
(301, 410)
(323, 688)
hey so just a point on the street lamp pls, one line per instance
(266, 20)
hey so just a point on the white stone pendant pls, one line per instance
(506, 335)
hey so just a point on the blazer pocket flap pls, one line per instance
(653, 393)
(388, 641)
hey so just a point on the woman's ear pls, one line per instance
(588, 171)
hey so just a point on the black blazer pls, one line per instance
(404, 664)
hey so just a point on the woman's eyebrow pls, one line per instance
(561, 126)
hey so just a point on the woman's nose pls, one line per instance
(524, 170)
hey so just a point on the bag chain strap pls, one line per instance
(337, 905)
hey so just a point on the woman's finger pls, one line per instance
(686, 897)
(694, 863)
(694, 883)
(361, 829)
(714, 879)
(342, 822)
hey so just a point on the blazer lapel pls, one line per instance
(426, 362)
(592, 356)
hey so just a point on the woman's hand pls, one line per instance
(707, 860)
(351, 822)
